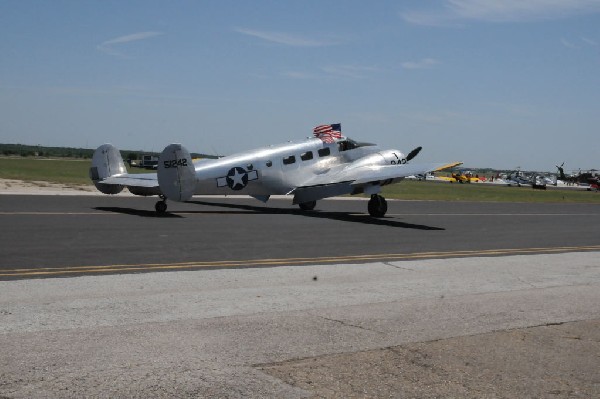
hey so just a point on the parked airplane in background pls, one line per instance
(325, 166)
(461, 176)
(518, 178)
(590, 179)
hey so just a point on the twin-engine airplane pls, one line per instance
(321, 167)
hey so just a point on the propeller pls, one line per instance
(413, 153)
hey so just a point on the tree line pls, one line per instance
(23, 150)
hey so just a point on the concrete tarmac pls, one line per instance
(499, 327)
(400, 307)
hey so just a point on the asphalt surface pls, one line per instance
(46, 236)
(229, 298)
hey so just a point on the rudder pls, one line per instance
(107, 162)
(176, 173)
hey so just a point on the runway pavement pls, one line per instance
(235, 299)
(48, 236)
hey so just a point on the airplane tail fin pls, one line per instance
(561, 172)
(176, 173)
(107, 162)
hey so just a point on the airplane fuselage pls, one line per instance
(278, 169)
(310, 170)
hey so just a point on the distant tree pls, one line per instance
(132, 156)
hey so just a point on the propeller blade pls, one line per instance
(413, 153)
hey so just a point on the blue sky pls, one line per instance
(498, 84)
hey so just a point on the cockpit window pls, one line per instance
(347, 144)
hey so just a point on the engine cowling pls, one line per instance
(392, 157)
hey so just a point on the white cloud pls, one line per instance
(455, 11)
(589, 41)
(109, 46)
(567, 43)
(349, 71)
(285, 39)
(425, 63)
(298, 75)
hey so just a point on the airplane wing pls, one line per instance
(355, 180)
(382, 173)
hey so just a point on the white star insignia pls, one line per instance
(237, 178)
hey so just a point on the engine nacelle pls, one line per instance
(393, 157)
(176, 173)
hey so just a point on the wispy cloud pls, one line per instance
(425, 63)
(109, 46)
(567, 43)
(285, 38)
(453, 12)
(349, 71)
(578, 43)
(589, 41)
(299, 75)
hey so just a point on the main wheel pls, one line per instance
(377, 206)
(308, 206)
(161, 207)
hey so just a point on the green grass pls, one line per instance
(66, 171)
(75, 172)
(55, 171)
(415, 190)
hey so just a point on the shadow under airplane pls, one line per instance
(245, 209)
(340, 216)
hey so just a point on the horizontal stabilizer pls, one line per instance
(109, 174)
(137, 180)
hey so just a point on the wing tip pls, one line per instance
(448, 166)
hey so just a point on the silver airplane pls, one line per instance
(324, 166)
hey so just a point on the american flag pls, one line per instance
(328, 133)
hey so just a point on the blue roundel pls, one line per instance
(237, 178)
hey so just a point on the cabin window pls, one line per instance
(249, 166)
(289, 160)
(269, 164)
(323, 152)
(307, 156)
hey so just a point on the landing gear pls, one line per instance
(377, 206)
(308, 206)
(161, 206)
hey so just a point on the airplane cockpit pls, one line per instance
(349, 144)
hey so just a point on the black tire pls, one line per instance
(377, 206)
(308, 206)
(160, 207)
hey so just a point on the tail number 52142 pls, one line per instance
(173, 163)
